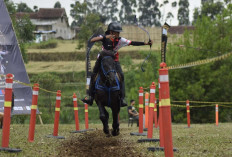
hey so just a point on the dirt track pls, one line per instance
(96, 144)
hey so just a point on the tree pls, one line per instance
(73, 24)
(183, 12)
(227, 1)
(212, 9)
(10, 7)
(98, 7)
(91, 26)
(127, 11)
(87, 21)
(24, 29)
(174, 4)
(170, 16)
(35, 8)
(150, 13)
(79, 11)
(57, 5)
(22, 7)
(110, 10)
(24, 32)
(208, 8)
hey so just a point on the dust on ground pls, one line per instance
(97, 144)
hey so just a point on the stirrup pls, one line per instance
(88, 101)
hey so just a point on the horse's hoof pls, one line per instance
(106, 131)
(115, 132)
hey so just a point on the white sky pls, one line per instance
(66, 5)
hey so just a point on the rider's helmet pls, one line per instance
(114, 26)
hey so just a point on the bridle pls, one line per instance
(103, 70)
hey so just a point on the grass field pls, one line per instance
(199, 140)
(61, 66)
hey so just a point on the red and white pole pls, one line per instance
(33, 112)
(7, 111)
(216, 116)
(141, 110)
(57, 113)
(75, 111)
(166, 106)
(188, 113)
(86, 117)
(140, 133)
(57, 117)
(7, 116)
(151, 110)
(146, 109)
(151, 116)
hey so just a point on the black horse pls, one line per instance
(107, 92)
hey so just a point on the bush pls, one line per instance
(45, 44)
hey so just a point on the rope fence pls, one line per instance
(198, 106)
(204, 102)
(45, 90)
(200, 62)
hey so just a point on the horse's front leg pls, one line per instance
(115, 125)
(104, 116)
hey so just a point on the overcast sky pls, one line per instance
(66, 5)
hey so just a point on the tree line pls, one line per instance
(89, 15)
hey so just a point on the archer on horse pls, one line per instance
(111, 42)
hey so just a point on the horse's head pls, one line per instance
(108, 69)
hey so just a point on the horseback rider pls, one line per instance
(111, 42)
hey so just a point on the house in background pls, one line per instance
(50, 23)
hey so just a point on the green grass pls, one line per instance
(62, 66)
(62, 46)
(199, 140)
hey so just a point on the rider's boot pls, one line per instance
(90, 99)
(123, 101)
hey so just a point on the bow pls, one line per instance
(88, 65)
(135, 20)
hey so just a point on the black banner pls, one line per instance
(11, 62)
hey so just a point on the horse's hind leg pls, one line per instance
(104, 116)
